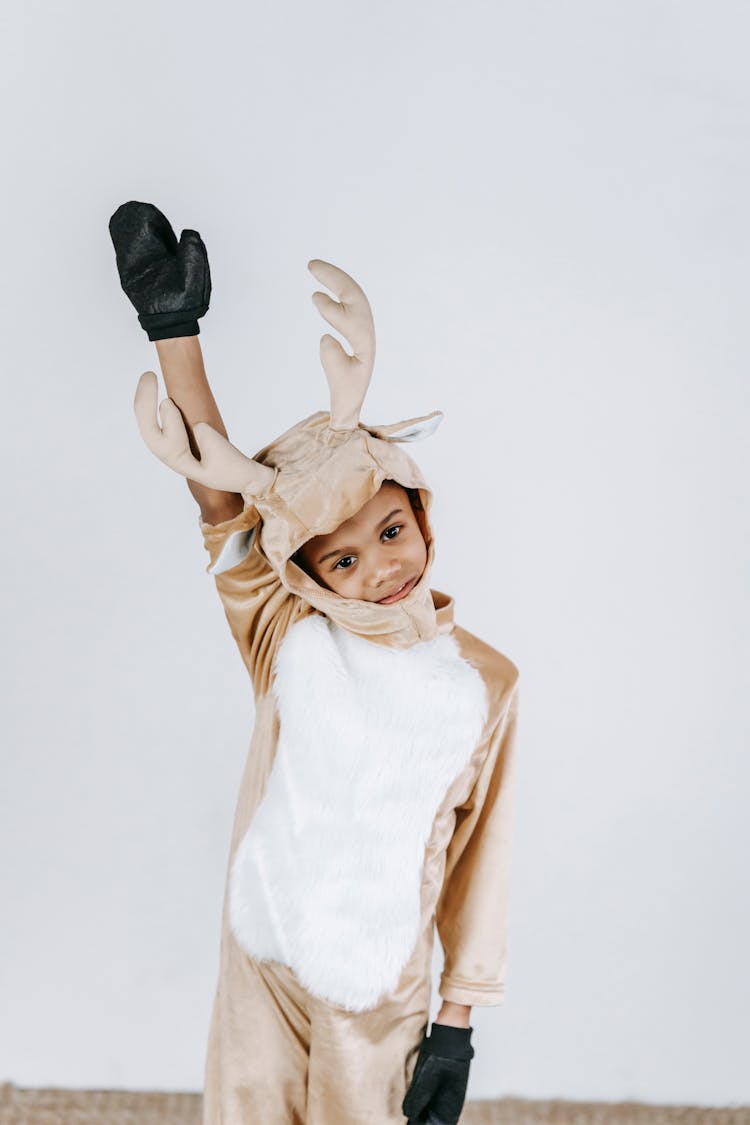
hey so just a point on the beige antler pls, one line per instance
(221, 466)
(348, 375)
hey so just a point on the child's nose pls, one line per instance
(385, 579)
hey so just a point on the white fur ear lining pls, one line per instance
(417, 433)
(414, 430)
(234, 551)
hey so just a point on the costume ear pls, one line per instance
(413, 429)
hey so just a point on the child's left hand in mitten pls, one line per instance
(438, 1086)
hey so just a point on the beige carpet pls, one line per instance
(106, 1107)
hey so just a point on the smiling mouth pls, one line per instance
(400, 592)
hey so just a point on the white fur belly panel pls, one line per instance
(327, 877)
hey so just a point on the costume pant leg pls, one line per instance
(258, 1048)
(278, 1054)
(361, 1063)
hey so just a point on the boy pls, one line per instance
(377, 795)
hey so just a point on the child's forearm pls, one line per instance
(184, 374)
(457, 1015)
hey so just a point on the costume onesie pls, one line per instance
(377, 795)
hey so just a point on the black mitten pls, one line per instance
(167, 281)
(438, 1086)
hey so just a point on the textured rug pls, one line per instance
(118, 1107)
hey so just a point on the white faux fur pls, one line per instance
(327, 877)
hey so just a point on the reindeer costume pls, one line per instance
(377, 794)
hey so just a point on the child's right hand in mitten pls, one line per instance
(167, 281)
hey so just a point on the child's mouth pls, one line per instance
(400, 593)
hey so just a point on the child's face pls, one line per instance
(372, 553)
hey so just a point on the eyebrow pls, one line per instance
(341, 550)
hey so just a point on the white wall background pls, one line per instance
(547, 205)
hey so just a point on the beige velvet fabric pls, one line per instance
(276, 1052)
(264, 1024)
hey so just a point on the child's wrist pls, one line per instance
(456, 1015)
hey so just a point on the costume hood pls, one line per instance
(318, 473)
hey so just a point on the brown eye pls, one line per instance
(394, 527)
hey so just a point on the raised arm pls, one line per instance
(181, 360)
(169, 284)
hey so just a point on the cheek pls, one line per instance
(419, 545)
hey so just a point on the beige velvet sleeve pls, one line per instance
(258, 607)
(472, 908)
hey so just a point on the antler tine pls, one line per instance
(348, 375)
(222, 465)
